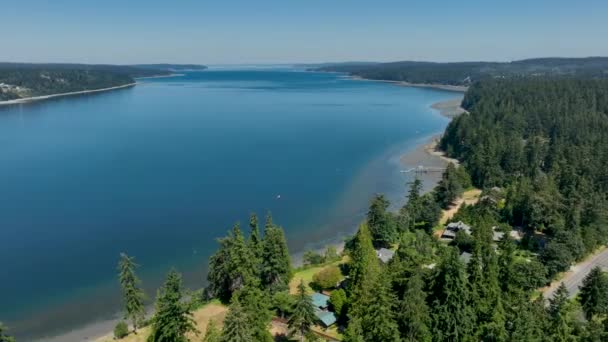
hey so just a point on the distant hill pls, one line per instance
(465, 73)
(22, 80)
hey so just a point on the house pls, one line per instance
(465, 257)
(385, 254)
(321, 302)
(326, 318)
(451, 229)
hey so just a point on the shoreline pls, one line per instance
(423, 152)
(448, 87)
(158, 76)
(46, 97)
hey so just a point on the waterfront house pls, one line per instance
(385, 254)
(321, 302)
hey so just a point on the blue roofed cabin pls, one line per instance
(321, 302)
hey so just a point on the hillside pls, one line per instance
(466, 73)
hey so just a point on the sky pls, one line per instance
(299, 31)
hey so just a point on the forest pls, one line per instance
(20, 80)
(467, 73)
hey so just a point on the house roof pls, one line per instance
(326, 317)
(320, 300)
(457, 226)
(465, 257)
(385, 254)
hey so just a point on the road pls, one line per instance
(574, 277)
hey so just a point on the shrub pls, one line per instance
(337, 299)
(121, 330)
(328, 277)
(312, 258)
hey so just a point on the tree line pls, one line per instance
(468, 73)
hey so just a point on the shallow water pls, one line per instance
(162, 169)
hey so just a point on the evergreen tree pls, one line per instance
(276, 264)
(213, 334)
(133, 295)
(408, 214)
(561, 315)
(377, 318)
(268, 224)
(255, 240)
(452, 317)
(362, 255)
(256, 305)
(232, 267)
(529, 319)
(414, 316)
(594, 293)
(236, 324)
(173, 319)
(449, 187)
(354, 331)
(4, 337)
(380, 223)
(303, 316)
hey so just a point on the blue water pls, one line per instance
(163, 169)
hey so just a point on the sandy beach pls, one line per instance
(454, 88)
(45, 97)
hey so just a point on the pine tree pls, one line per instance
(529, 319)
(594, 293)
(380, 224)
(363, 257)
(414, 316)
(236, 324)
(449, 187)
(133, 295)
(255, 240)
(354, 331)
(256, 305)
(378, 320)
(213, 334)
(409, 213)
(232, 267)
(3, 336)
(561, 315)
(276, 264)
(452, 317)
(303, 316)
(173, 319)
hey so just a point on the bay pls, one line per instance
(162, 169)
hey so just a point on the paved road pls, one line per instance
(574, 278)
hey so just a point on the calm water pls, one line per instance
(162, 169)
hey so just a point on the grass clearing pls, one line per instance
(212, 311)
(306, 274)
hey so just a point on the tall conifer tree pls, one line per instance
(133, 295)
(594, 293)
(453, 319)
(173, 319)
(303, 317)
(414, 315)
(236, 324)
(276, 262)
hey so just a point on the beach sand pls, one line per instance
(45, 97)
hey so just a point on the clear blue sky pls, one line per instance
(275, 31)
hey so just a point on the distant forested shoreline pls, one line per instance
(467, 73)
(25, 80)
